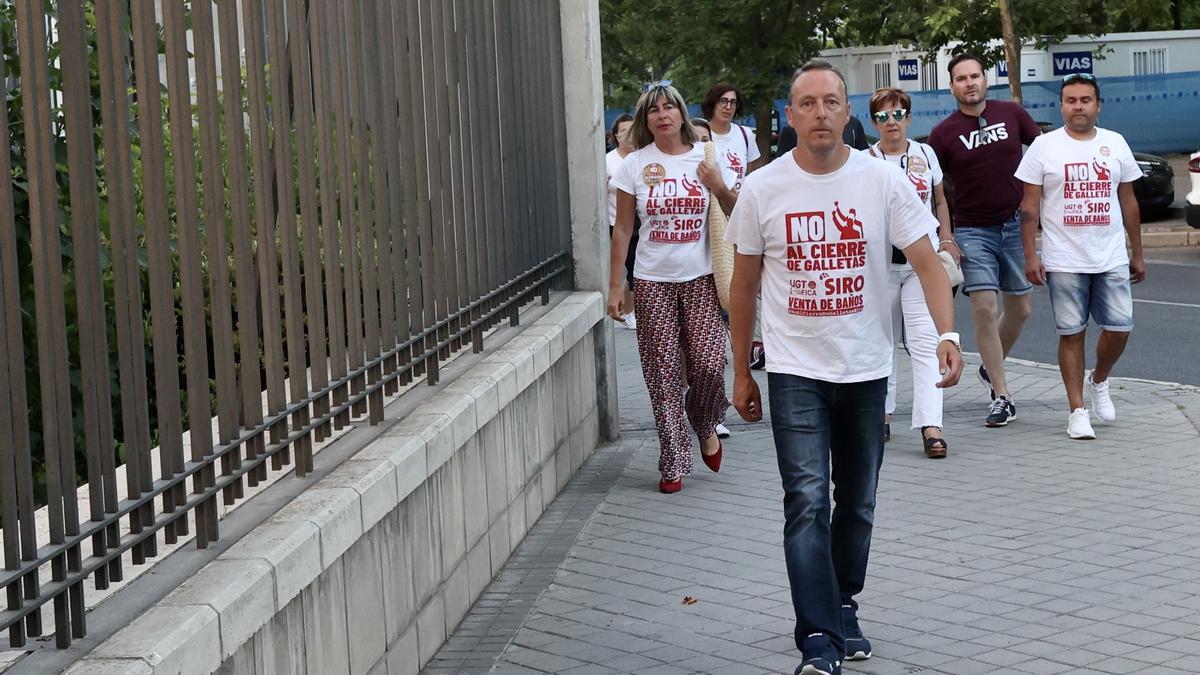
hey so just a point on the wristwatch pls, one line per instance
(950, 336)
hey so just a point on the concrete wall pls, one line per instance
(370, 570)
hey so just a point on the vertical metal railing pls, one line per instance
(229, 228)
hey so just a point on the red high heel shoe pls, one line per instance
(713, 461)
(670, 486)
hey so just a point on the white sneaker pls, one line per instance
(1079, 425)
(630, 321)
(723, 431)
(1102, 405)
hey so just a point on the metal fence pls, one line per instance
(204, 201)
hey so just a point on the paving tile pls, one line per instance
(1023, 552)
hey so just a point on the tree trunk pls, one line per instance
(1177, 14)
(1012, 50)
(762, 131)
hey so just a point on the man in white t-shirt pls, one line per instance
(1079, 185)
(816, 227)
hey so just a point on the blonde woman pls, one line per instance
(675, 298)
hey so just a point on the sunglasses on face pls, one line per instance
(882, 116)
(727, 102)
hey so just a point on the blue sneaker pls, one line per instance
(858, 648)
(820, 658)
(986, 381)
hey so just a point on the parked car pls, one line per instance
(1192, 209)
(1155, 190)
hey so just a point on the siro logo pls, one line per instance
(981, 137)
(805, 227)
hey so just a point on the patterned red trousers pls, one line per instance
(678, 322)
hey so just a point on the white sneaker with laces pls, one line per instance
(630, 321)
(1102, 405)
(1079, 425)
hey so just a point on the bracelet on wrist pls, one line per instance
(947, 241)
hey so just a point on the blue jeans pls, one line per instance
(1104, 296)
(824, 430)
(993, 258)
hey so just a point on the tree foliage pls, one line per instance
(755, 44)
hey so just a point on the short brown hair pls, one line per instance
(890, 96)
(708, 105)
(818, 64)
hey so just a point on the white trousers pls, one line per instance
(920, 339)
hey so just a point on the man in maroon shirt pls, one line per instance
(979, 148)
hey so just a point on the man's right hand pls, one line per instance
(746, 399)
(1035, 271)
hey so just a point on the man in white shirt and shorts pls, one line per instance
(816, 227)
(1079, 185)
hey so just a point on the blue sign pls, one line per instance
(1002, 69)
(1066, 63)
(907, 68)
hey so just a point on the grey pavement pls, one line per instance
(1023, 552)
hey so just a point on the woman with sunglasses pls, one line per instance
(675, 297)
(891, 115)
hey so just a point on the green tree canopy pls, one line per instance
(754, 44)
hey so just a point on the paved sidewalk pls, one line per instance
(1023, 552)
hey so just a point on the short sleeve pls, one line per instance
(744, 230)
(1031, 170)
(752, 153)
(1130, 171)
(935, 144)
(909, 218)
(1030, 131)
(935, 167)
(623, 178)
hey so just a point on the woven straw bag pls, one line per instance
(722, 251)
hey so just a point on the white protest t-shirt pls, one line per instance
(1082, 227)
(735, 151)
(826, 244)
(612, 162)
(920, 166)
(673, 206)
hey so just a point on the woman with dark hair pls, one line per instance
(622, 146)
(891, 114)
(703, 130)
(679, 316)
(736, 147)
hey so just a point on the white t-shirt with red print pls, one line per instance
(612, 162)
(1083, 230)
(673, 206)
(735, 150)
(826, 245)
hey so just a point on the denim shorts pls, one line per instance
(993, 258)
(1105, 296)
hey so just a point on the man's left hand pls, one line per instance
(950, 363)
(1137, 269)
